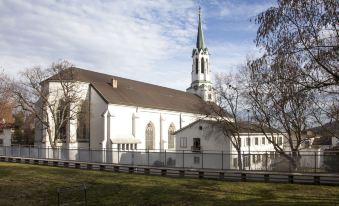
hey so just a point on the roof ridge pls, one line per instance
(181, 91)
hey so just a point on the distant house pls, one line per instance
(6, 123)
(323, 137)
(320, 142)
(6, 131)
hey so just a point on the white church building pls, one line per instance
(128, 115)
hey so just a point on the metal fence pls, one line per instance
(308, 161)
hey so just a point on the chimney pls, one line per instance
(114, 83)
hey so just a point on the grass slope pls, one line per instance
(22, 184)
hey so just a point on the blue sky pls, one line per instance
(144, 40)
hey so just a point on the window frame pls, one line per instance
(183, 142)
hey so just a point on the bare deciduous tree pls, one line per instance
(53, 96)
(229, 110)
(307, 31)
(281, 104)
(5, 98)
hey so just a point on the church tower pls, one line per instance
(201, 73)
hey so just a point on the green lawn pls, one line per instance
(22, 184)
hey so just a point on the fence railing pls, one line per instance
(308, 161)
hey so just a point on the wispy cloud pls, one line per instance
(146, 40)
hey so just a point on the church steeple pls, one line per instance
(201, 73)
(200, 35)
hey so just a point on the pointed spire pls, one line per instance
(200, 36)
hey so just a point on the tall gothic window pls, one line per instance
(196, 65)
(202, 65)
(171, 131)
(149, 135)
(206, 66)
(83, 121)
(62, 120)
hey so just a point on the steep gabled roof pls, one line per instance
(136, 93)
(200, 36)
(244, 127)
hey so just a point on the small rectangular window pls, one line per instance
(248, 141)
(247, 161)
(263, 140)
(1, 142)
(123, 146)
(272, 155)
(183, 142)
(269, 140)
(131, 147)
(235, 162)
(280, 142)
(127, 146)
(196, 143)
(135, 146)
(196, 160)
(259, 158)
(118, 146)
(256, 141)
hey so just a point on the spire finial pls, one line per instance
(200, 36)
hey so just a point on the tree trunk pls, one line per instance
(240, 165)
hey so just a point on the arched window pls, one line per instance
(171, 131)
(202, 65)
(196, 65)
(149, 135)
(62, 120)
(206, 66)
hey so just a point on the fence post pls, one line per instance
(222, 160)
(315, 162)
(132, 157)
(90, 154)
(289, 163)
(147, 157)
(165, 161)
(183, 158)
(243, 162)
(202, 159)
(266, 160)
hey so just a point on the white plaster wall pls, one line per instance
(97, 108)
(55, 94)
(210, 138)
(213, 143)
(131, 121)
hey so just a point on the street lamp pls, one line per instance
(249, 140)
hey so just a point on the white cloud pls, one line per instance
(145, 40)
